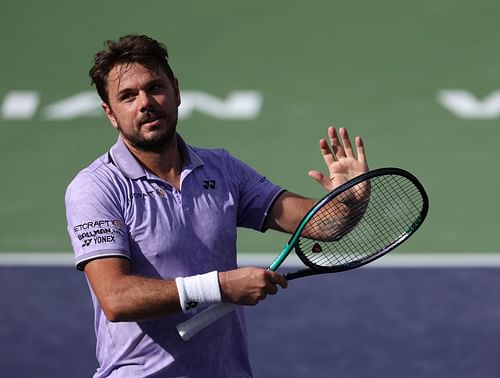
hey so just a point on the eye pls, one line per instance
(157, 87)
(125, 97)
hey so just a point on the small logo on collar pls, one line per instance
(209, 184)
(161, 192)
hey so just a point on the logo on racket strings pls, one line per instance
(316, 248)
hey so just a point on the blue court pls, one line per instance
(373, 322)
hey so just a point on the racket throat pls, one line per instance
(281, 257)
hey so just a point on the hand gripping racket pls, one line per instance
(353, 225)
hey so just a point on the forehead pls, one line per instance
(130, 75)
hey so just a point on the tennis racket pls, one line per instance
(355, 224)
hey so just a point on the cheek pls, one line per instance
(125, 117)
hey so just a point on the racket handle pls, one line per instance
(192, 326)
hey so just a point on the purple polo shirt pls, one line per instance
(115, 207)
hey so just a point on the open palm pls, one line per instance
(341, 161)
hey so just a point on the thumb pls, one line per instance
(321, 179)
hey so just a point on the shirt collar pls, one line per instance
(133, 169)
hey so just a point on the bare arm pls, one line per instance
(288, 211)
(127, 297)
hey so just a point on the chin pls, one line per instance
(154, 142)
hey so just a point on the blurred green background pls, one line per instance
(376, 68)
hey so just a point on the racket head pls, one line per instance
(385, 207)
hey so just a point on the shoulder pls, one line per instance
(211, 154)
(219, 158)
(101, 176)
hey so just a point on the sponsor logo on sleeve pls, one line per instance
(97, 231)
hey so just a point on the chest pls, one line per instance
(193, 228)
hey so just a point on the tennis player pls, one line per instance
(153, 225)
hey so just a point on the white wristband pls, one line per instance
(202, 289)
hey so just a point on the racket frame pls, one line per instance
(317, 269)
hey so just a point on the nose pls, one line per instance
(145, 101)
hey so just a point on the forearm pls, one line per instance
(136, 298)
(288, 211)
(338, 217)
(127, 297)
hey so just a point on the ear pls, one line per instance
(110, 115)
(177, 92)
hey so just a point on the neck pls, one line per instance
(166, 164)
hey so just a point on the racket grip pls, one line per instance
(192, 326)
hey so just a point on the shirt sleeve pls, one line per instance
(95, 219)
(256, 195)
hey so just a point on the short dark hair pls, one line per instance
(126, 50)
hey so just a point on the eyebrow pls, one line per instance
(131, 90)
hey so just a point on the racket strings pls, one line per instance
(364, 221)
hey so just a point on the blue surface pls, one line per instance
(364, 323)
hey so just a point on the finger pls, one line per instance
(277, 279)
(326, 152)
(282, 281)
(347, 142)
(321, 179)
(338, 149)
(360, 148)
(271, 289)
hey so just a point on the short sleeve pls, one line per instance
(256, 195)
(95, 219)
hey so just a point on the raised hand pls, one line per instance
(341, 161)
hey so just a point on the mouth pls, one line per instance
(151, 120)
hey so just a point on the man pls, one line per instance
(153, 225)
